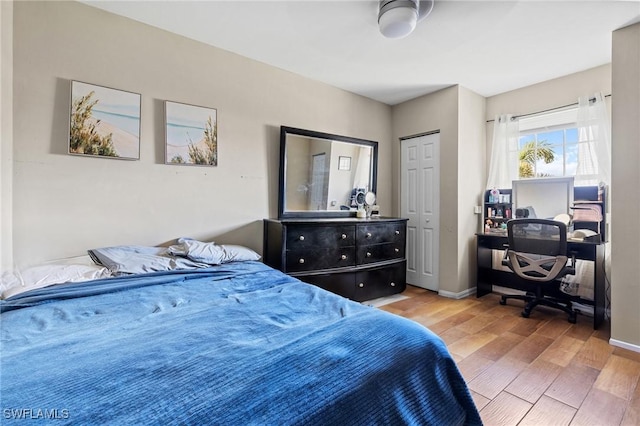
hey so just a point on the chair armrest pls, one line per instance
(505, 258)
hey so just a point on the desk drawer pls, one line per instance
(498, 242)
(584, 251)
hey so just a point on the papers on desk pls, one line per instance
(581, 283)
(584, 235)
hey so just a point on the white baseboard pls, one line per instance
(624, 345)
(461, 295)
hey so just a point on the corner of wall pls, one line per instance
(471, 178)
(6, 136)
(625, 179)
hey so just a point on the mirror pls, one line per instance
(323, 175)
(545, 197)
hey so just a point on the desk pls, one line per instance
(487, 276)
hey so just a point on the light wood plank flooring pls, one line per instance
(540, 370)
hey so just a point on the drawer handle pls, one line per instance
(361, 285)
(397, 232)
(397, 250)
(301, 261)
(301, 237)
(344, 236)
(368, 234)
(393, 284)
(343, 257)
(368, 254)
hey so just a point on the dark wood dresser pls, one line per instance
(361, 259)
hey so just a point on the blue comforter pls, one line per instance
(237, 344)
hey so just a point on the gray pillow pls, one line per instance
(210, 252)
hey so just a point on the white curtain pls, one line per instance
(594, 149)
(503, 166)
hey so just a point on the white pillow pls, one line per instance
(46, 275)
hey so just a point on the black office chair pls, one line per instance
(538, 253)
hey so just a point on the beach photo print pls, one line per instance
(191, 134)
(104, 122)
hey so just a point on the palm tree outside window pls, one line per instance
(548, 152)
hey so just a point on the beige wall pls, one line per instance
(436, 111)
(547, 95)
(64, 204)
(6, 133)
(625, 188)
(471, 181)
(458, 114)
(552, 93)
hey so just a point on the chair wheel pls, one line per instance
(525, 314)
(572, 318)
(503, 302)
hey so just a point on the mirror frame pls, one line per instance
(282, 184)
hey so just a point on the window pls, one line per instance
(549, 145)
(572, 141)
(548, 153)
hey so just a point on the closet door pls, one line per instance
(420, 203)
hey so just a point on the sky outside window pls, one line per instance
(564, 144)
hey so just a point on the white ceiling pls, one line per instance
(489, 47)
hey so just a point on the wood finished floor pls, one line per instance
(538, 371)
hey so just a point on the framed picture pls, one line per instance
(191, 134)
(104, 122)
(344, 163)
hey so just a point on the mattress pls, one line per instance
(239, 343)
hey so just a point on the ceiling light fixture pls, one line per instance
(398, 18)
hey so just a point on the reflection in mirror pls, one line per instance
(315, 180)
(322, 174)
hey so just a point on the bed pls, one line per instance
(237, 343)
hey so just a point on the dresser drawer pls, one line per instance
(342, 283)
(379, 252)
(320, 258)
(309, 237)
(361, 259)
(379, 282)
(381, 233)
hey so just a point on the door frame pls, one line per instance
(436, 265)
